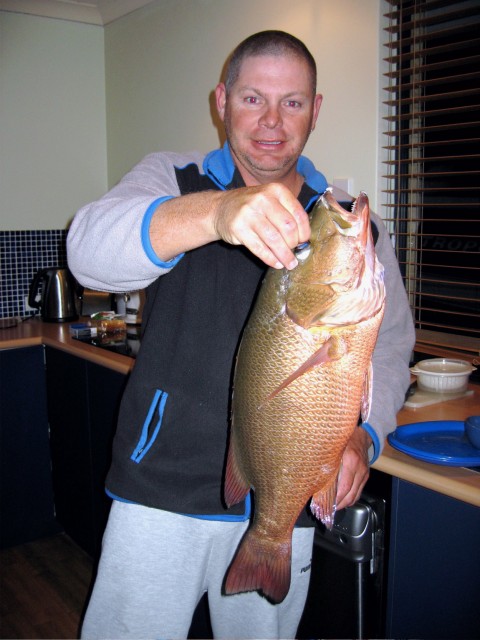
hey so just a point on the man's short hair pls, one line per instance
(268, 43)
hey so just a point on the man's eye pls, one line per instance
(293, 103)
(251, 100)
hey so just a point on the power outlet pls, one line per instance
(26, 306)
(345, 184)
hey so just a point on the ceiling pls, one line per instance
(99, 12)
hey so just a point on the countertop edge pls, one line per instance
(19, 343)
(456, 482)
(34, 332)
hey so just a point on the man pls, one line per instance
(199, 232)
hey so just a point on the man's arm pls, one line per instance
(133, 234)
(355, 469)
(267, 219)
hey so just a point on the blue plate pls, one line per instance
(440, 442)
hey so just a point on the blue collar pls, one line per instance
(220, 168)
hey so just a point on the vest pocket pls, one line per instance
(151, 426)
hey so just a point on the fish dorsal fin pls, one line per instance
(323, 504)
(236, 488)
(367, 394)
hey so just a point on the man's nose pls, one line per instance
(271, 117)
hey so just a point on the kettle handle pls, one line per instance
(32, 302)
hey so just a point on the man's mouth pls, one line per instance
(272, 143)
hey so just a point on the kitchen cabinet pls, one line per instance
(26, 494)
(83, 401)
(429, 581)
(434, 574)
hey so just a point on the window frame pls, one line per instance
(404, 198)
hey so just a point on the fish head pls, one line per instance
(338, 279)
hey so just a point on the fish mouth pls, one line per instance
(340, 276)
(357, 218)
(354, 227)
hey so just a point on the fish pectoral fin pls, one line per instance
(332, 349)
(323, 504)
(236, 487)
(367, 394)
(261, 564)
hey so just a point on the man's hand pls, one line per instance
(267, 219)
(355, 470)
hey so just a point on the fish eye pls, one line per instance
(302, 251)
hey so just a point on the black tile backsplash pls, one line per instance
(22, 253)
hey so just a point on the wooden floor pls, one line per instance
(44, 586)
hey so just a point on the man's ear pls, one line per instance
(317, 103)
(221, 98)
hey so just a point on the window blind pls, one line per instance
(431, 197)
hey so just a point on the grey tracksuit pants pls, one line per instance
(155, 567)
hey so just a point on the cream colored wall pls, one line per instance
(160, 66)
(53, 120)
(163, 62)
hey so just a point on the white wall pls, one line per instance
(159, 66)
(52, 114)
(163, 62)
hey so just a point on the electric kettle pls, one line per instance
(57, 295)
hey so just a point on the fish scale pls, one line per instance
(299, 388)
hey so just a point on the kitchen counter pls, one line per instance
(35, 332)
(456, 482)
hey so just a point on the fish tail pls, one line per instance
(261, 565)
(323, 504)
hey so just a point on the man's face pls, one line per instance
(268, 116)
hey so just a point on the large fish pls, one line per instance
(302, 378)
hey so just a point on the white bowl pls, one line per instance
(443, 375)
